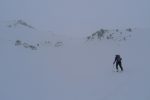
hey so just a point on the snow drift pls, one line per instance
(75, 70)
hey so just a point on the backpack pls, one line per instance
(118, 58)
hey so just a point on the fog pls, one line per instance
(77, 17)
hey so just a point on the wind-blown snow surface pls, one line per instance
(78, 70)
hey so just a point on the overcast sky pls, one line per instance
(77, 16)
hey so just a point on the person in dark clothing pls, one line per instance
(118, 62)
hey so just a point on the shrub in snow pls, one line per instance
(32, 47)
(26, 45)
(38, 44)
(47, 42)
(18, 42)
(124, 38)
(100, 33)
(89, 37)
(117, 30)
(9, 26)
(129, 30)
(58, 44)
(110, 36)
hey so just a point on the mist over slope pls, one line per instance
(72, 68)
(19, 30)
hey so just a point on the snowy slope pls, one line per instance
(19, 30)
(78, 70)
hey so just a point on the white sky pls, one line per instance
(77, 16)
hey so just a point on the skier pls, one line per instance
(118, 62)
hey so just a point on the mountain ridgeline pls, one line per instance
(20, 22)
(115, 34)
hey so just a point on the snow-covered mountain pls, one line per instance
(78, 70)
